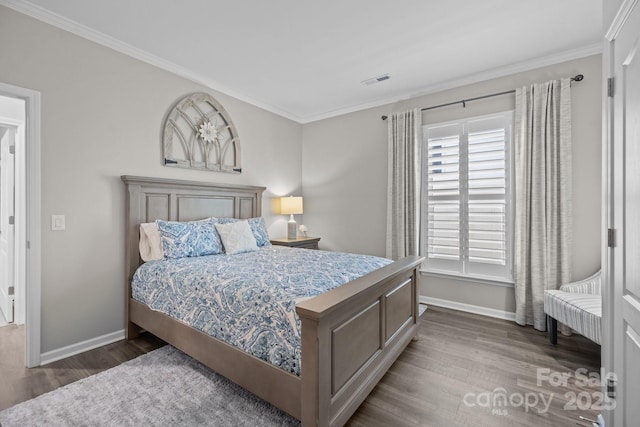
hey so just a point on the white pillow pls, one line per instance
(237, 237)
(150, 242)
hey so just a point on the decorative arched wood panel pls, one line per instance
(199, 134)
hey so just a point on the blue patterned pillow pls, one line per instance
(189, 239)
(258, 228)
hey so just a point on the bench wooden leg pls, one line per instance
(552, 326)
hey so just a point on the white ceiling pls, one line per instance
(306, 59)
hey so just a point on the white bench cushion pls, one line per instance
(581, 312)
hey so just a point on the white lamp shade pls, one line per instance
(291, 205)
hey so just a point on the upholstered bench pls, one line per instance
(577, 305)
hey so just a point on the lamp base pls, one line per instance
(291, 229)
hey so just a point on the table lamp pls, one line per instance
(291, 206)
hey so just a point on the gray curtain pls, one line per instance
(543, 196)
(403, 188)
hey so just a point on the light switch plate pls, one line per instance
(57, 223)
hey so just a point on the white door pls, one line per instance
(7, 198)
(626, 220)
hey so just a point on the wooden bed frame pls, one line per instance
(350, 335)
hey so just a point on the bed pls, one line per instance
(350, 335)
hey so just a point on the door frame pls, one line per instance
(29, 245)
(611, 348)
(17, 127)
(607, 260)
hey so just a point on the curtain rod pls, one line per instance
(577, 78)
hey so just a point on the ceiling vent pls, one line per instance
(375, 80)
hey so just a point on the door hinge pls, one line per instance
(12, 220)
(12, 149)
(611, 237)
(611, 388)
(610, 87)
(12, 290)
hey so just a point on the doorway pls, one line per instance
(20, 214)
(12, 121)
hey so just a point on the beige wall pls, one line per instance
(344, 163)
(102, 116)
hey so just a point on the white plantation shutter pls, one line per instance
(468, 197)
(443, 190)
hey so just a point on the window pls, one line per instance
(467, 197)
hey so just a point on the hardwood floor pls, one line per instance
(444, 379)
(18, 383)
(461, 358)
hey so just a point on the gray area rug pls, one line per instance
(422, 307)
(162, 388)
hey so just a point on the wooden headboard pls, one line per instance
(148, 199)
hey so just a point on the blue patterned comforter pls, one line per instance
(248, 300)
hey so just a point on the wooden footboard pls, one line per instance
(350, 337)
(268, 381)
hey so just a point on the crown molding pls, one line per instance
(519, 67)
(621, 17)
(83, 31)
(44, 15)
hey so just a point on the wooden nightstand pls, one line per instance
(298, 242)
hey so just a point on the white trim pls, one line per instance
(81, 347)
(20, 229)
(20, 192)
(545, 61)
(468, 308)
(33, 260)
(468, 278)
(464, 268)
(100, 38)
(74, 27)
(32, 246)
(621, 17)
(607, 215)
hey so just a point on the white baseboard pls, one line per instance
(81, 347)
(475, 309)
